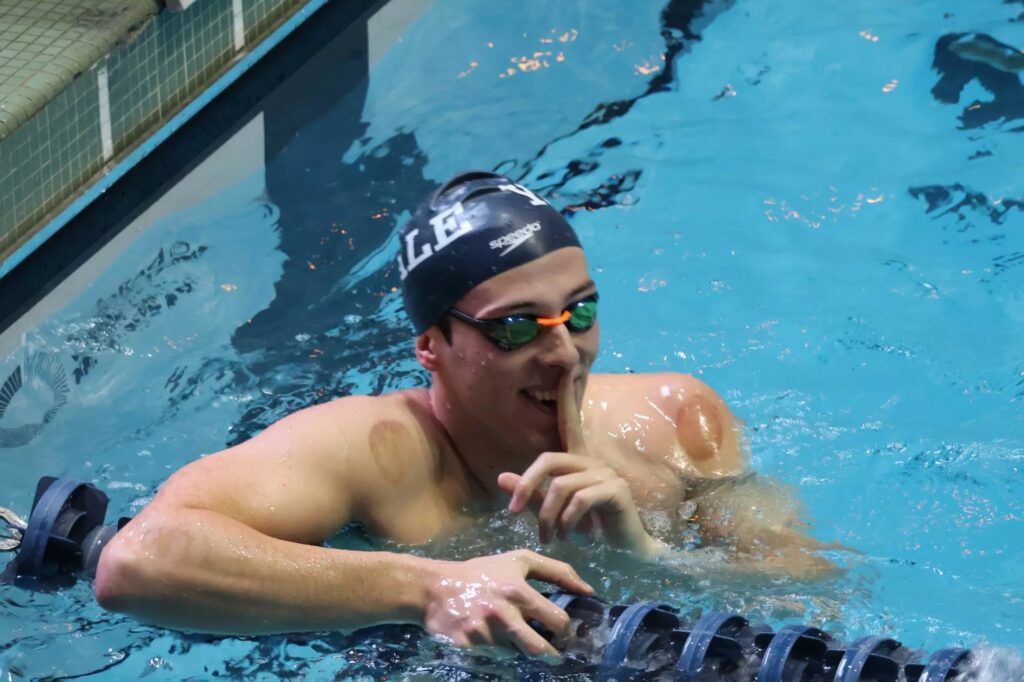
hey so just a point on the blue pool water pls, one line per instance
(816, 207)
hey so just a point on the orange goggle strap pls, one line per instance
(554, 321)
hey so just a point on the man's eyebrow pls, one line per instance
(520, 306)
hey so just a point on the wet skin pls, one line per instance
(226, 545)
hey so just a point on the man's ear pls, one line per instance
(427, 346)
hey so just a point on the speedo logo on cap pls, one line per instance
(515, 239)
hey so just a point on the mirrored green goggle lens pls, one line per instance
(517, 332)
(583, 316)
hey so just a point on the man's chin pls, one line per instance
(540, 440)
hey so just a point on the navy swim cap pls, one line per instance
(475, 226)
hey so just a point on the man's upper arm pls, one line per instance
(292, 481)
(706, 430)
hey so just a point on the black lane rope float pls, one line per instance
(651, 641)
(65, 534)
(62, 538)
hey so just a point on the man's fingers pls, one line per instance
(548, 464)
(543, 611)
(561, 490)
(529, 641)
(585, 501)
(552, 571)
(507, 481)
(569, 425)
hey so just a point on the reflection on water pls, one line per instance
(30, 398)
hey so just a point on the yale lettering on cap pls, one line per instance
(447, 228)
(519, 189)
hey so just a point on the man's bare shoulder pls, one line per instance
(386, 438)
(313, 469)
(687, 420)
(358, 414)
(406, 483)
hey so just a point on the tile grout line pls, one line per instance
(106, 135)
(263, 44)
(239, 24)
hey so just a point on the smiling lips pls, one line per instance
(546, 401)
(542, 395)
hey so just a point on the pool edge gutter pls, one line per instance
(107, 178)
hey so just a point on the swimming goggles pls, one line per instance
(514, 331)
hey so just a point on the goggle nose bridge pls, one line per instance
(554, 321)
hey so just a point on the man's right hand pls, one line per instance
(488, 601)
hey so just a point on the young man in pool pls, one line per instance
(505, 312)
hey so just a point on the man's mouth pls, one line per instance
(546, 401)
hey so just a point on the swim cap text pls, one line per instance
(447, 228)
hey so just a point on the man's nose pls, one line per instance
(559, 349)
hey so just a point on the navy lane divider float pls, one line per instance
(63, 538)
(650, 641)
(794, 652)
(65, 534)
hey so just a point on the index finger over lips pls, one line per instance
(569, 424)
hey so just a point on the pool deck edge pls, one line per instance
(109, 175)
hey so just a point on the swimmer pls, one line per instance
(506, 318)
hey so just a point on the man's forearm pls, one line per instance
(200, 570)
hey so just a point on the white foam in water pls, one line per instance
(592, 643)
(995, 664)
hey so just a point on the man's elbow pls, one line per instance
(118, 576)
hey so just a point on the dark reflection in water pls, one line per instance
(681, 24)
(964, 57)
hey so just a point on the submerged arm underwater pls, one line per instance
(757, 522)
